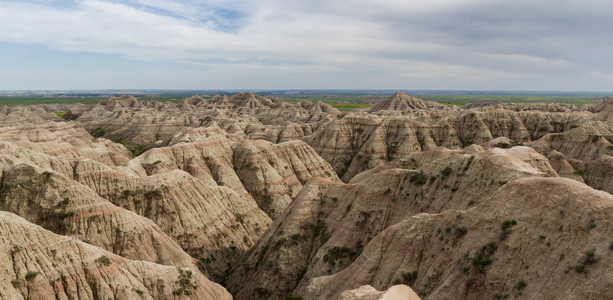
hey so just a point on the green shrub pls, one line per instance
(409, 278)
(447, 171)
(503, 145)
(321, 229)
(337, 253)
(153, 193)
(104, 260)
(279, 242)
(460, 231)
(419, 178)
(185, 283)
(64, 214)
(591, 224)
(483, 257)
(580, 268)
(506, 228)
(63, 203)
(590, 257)
(31, 275)
(127, 193)
(16, 283)
(239, 218)
(98, 132)
(468, 163)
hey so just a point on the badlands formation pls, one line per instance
(249, 197)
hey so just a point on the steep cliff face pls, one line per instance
(57, 203)
(38, 264)
(269, 173)
(536, 238)
(328, 224)
(587, 149)
(204, 191)
(359, 142)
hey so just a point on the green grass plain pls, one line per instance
(344, 103)
(341, 102)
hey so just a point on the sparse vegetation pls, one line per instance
(185, 283)
(104, 260)
(64, 214)
(127, 193)
(483, 257)
(239, 218)
(471, 282)
(418, 178)
(461, 231)
(468, 163)
(506, 228)
(447, 171)
(591, 224)
(31, 275)
(262, 292)
(503, 145)
(321, 230)
(63, 203)
(408, 278)
(342, 254)
(152, 193)
(16, 283)
(98, 132)
(580, 268)
(590, 257)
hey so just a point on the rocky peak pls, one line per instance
(401, 101)
(118, 102)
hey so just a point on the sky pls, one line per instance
(545, 45)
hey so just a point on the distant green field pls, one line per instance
(341, 102)
(12, 101)
(345, 103)
(463, 100)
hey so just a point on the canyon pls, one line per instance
(251, 197)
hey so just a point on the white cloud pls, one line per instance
(453, 40)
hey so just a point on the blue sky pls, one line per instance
(269, 44)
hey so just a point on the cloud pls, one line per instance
(446, 41)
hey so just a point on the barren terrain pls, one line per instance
(251, 197)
